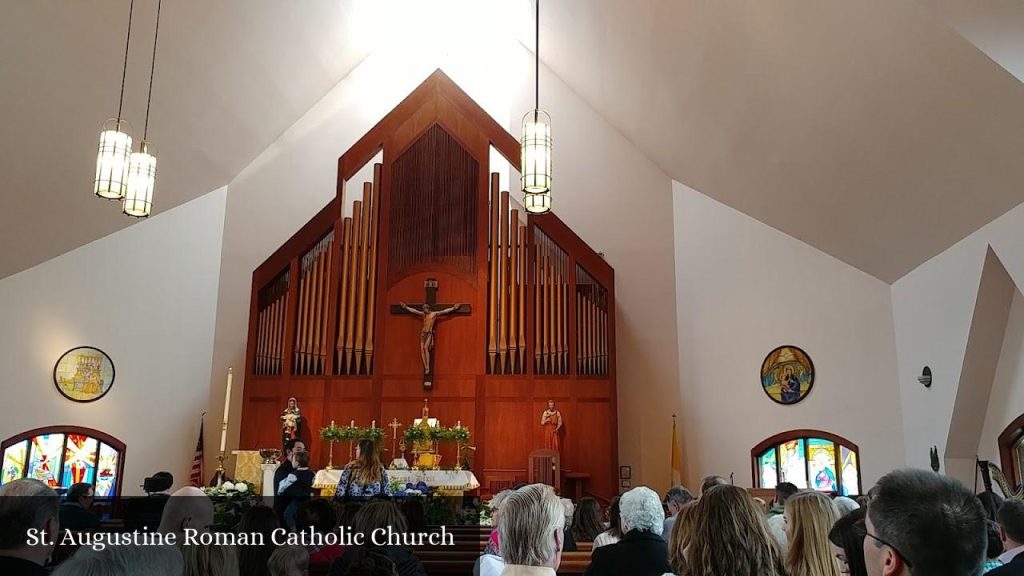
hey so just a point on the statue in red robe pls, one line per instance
(551, 420)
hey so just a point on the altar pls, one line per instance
(442, 480)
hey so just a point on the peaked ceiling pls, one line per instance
(871, 130)
(231, 76)
(878, 132)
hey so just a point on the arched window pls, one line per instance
(808, 459)
(64, 455)
(1011, 451)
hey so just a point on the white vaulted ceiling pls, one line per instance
(231, 76)
(879, 132)
(871, 130)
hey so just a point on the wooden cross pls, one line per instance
(431, 312)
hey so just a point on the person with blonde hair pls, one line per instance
(530, 530)
(679, 538)
(724, 535)
(365, 477)
(288, 561)
(210, 560)
(809, 517)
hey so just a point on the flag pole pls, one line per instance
(672, 456)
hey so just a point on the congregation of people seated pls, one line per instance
(915, 522)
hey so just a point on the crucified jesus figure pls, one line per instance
(427, 332)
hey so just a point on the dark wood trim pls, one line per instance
(803, 434)
(1007, 438)
(103, 437)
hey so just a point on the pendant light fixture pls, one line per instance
(111, 180)
(535, 145)
(138, 199)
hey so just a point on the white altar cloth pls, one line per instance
(453, 480)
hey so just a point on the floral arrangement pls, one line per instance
(342, 433)
(230, 501)
(437, 434)
(228, 489)
(409, 489)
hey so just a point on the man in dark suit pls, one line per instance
(1011, 531)
(642, 551)
(921, 523)
(281, 501)
(76, 513)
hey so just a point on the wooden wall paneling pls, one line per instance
(545, 313)
(512, 426)
(592, 435)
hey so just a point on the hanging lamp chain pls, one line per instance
(124, 71)
(152, 69)
(536, 63)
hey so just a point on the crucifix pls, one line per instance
(395, 425)
(431, 312)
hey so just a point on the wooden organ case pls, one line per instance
(541, 324)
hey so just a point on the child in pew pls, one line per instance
(297, 486)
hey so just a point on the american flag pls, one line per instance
(195, 477)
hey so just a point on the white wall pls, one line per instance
(744, 288)
(597, 173)
(932, 307)
(146, 295)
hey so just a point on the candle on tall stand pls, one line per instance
(351, 442)
(458, 448)
(219, 475)
(330, 460)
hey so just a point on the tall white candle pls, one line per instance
(227, 406)
(373, 424)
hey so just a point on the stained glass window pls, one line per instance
(14, 462)
(61, 459)
(44, 458)
(79, 460)
(106, 475)
(793, 463)
(850, 471)
(768, 466)
(822, 462)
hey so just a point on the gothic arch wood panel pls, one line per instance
(434, 211)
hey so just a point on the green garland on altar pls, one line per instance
(437, 434)
(342, 433)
